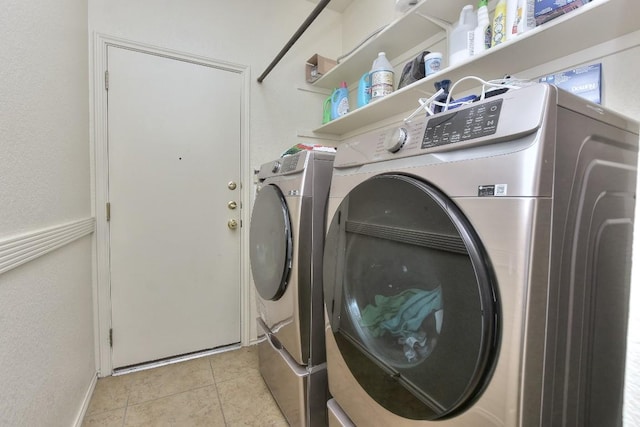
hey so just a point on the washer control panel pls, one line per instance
(286, 164)
(477, 129)
(473, 122)
(290, 163)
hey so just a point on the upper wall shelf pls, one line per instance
(401, 35)
(592, 24)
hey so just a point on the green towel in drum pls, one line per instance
(402, 314)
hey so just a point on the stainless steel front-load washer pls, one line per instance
(286, 246)
(476, 268)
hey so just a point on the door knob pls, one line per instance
(232, 205)
(232, 224)
(232, 185)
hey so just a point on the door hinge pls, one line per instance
(106, 80)
(111, 337)
(108, 211)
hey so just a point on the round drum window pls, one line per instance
(411, 297)
(271, 244)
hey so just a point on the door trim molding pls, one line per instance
(102, 280)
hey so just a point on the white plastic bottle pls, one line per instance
(512, 18)
(499, 24)
(381, 77)
(461, 37)
(523, 19)
(482, 33)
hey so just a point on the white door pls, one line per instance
(174, 152)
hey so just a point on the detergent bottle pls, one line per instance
(499, 23)
(520, 18)
(340, 101)
(364, 90)
(326, 111)
(461, 38)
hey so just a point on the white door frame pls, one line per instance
(102, 280)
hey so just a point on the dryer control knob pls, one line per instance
(395, 140)
(276, 166)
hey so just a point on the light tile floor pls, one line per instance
(225, 389)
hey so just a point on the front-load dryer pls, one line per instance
(476, 268)
(286, 247)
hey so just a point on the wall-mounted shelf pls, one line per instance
(592, 24)
(401, 35)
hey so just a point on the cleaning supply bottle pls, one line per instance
(326, 111)
(523, 18)
(513, 14)
(482, 33)
(364, 90)
(461, 37)
(499, 24)
(381, 77)
(340, 101)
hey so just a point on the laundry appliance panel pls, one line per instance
(286, 246)
(476, 268)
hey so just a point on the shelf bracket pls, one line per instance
(445, 25)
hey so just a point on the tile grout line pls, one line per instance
(176, 393)
(104, 411)
(171, 395)
(224, 419)
(247, 365)
(124, 416)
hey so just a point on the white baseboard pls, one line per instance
(86, 401)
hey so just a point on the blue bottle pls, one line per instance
(364, 90)
(340, 101)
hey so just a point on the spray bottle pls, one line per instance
(482, 33)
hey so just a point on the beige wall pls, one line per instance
(243, 32)
(46, 321)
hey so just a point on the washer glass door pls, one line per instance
(411, 297)
(271, 243)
